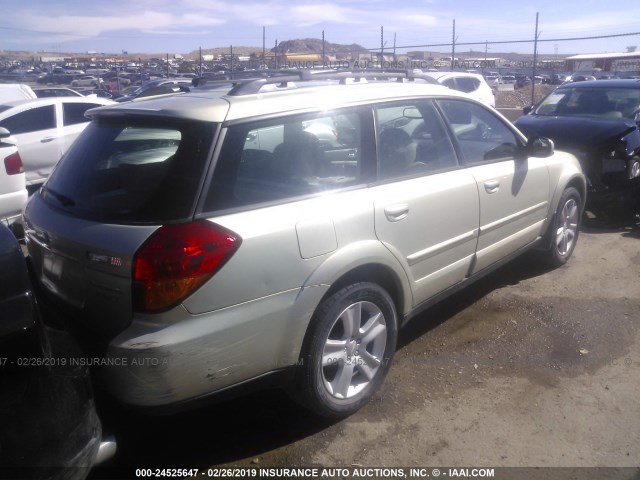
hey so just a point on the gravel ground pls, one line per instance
(521, 97)
(529, 367)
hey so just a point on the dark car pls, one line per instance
(49, 426)
(522, 81)
(158, 87)
(598, 122)
(43, 92)
(98, 92)
(559, 78)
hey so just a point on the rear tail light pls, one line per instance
(13, 164)
(178, 259)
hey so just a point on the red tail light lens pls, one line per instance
(13, 164)
(178, 259)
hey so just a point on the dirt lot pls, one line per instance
(521, 97)
(527, 368)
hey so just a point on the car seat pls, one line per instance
(397, 151)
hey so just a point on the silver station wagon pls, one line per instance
(285, 229)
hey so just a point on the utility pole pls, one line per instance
(453, 45)
(231, 52)
(381, 46)
(264, 58)
(394, 47)
(535, 60)
(275, 56)
(200, 71)
(323, 57)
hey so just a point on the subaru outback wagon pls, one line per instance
(205, 240)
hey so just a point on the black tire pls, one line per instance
(355, 363)
(633, 169)
(563, 232)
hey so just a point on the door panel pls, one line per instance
(428, 217)
(430, 224)
(513, 189)
(513, 206)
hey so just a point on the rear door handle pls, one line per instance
(395, 213)
(47, 139)
(491, 186)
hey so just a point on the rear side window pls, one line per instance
(74, 112)
(32, 120)
(412, 140)
(135, 172)
(466, 84)
(298, 155)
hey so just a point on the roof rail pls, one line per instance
(285, 77)
(236, 77)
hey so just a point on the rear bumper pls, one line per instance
(156, 365)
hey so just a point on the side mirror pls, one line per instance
(4, 133)
(540, 147)
(527, 110)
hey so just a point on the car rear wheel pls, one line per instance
(349, 348)
(565, 228)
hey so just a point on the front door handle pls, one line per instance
(395, 213)
(491, 186)
(47, 139)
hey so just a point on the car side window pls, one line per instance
(465, 84)
(32, 120)
(450, 83)
(412, 140)
(273, 160)
(73, 113)
(481, 136)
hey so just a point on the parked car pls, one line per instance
(44, 129)
(522, 81)
(95, 92)
(157, 87)
(50, 429)
(492, 80)
(43, 92)
(598, 122)
(209, 241)
(508, 80)
(13, 189)
(578, 77)
(559, 78)
(472, 83)
(608, 76)
(87, 81)
(15, 91)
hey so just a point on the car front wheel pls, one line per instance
(565, 228)
(634, 168)
(349, 348)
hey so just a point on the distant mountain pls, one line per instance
(306, 45)
(314, 45)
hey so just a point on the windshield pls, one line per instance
(597, 102)
(135, 171)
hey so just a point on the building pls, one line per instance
(606, 62)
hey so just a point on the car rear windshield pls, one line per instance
(140, 171)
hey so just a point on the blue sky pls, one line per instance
(181, 26)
